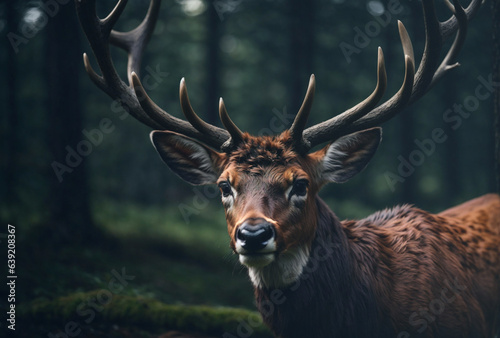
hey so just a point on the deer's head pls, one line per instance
(268, 188)
(268, 184)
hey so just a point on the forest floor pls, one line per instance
(150, 275)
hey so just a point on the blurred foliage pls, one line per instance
(173, 236)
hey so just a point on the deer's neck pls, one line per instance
(328, 298)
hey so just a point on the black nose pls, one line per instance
(254, 234)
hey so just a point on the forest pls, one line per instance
(107, 238)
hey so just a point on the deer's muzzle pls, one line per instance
(255, 242)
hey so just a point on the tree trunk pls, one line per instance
(301, 49)
(213, 66)
(495, 10)
(12, 141)
(69, 199)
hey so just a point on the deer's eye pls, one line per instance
(299, 188)
(225, 188)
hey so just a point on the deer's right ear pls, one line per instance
(190, 160)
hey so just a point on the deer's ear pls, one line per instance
(347, 156)
(190, 160)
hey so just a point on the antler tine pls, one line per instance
(234, 131)
(449, 60)
(416, 84)
(299, 123)
(152, 110)
(326, 130)
(133, 97)
(211, 135)
(109, 22)
(96, 78)
(134, 42)
(450, 26)
(405, 41)
(188, 110)
(200, 125)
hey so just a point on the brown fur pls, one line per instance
(256, 154)
(415, 258)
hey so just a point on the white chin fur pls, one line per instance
(278, 272)
(257, 261)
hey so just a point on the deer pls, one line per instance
(401, 272)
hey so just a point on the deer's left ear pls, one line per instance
(347, 156)
(190, 160)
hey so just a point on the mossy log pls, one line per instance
(96, 308)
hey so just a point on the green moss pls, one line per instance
(143, 313)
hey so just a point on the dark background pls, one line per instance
(120, 206)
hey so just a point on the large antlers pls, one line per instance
(415, 85)
(100, 34)
(366, 114)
